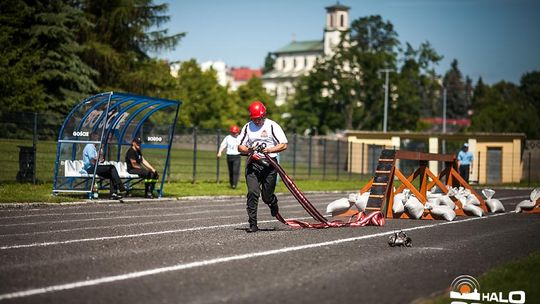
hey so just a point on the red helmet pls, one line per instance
(235, 129)
(257, 109)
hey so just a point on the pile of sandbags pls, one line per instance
(411, 205)
(469, 202)
(494, 205)
(529, 204)
(406, 202)
(439, 198)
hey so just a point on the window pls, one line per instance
(294, 63)
(342, 20)
(305, 62)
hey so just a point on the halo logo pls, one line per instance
(466, 287)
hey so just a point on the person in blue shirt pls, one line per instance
(90, 159)
(230, 142)
(465, 162)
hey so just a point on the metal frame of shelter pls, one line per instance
(116, 118)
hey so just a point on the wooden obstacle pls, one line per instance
(381, 186)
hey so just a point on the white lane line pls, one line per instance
(115, 226)
(183, 266)
(136, 216)
(181, 203)
(512, 197)
(429, 248)
(112, 218)
(127, 225)
(180, 207)
(43, 244)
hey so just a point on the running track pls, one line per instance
(197, 251)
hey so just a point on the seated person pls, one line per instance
(136, 164)
(90, 158)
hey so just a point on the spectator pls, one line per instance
(137, 164)
(260, 176)
(230, 142)
(90, 159)
(465, 162)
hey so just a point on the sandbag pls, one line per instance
(398, 206)
(488, 193)
(339, 205)
(430, 205)
(473, 209)
(535, 194)
(447, 201)
(360, 200)
(472, 199)
(443, 212)
(494, 205)
(525, 204)
(414, 208)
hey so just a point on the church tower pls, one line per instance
(337, 21)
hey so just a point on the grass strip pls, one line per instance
(522, 274)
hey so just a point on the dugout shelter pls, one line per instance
(115, 119)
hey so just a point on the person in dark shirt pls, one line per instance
(136, 164)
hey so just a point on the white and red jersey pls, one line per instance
(231, 143)
(270, 133)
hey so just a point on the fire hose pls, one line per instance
(375, 218)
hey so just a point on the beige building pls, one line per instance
(298, 57)
(497, 156)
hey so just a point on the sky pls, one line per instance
(493, 39)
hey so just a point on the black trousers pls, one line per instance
(150, 178)
(260, 179)
(233, 162)
(464, 172)
(109, 171)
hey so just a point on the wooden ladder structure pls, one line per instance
(381, 186)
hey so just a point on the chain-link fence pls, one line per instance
(28, 147)
(531, 161)
(29, 144)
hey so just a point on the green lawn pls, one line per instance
(523, 274)
(16, 193)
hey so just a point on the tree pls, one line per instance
(205, 102)
(505, 108)
(346, 85)
(269, 62)
(65, 77)
(21, 90)
(530, 86)
(120, 35)
(456, 99)
(40, 56)
(373, 34)
(346, 91)
(249, 92)
(417, 90)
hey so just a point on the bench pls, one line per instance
(75, 169)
